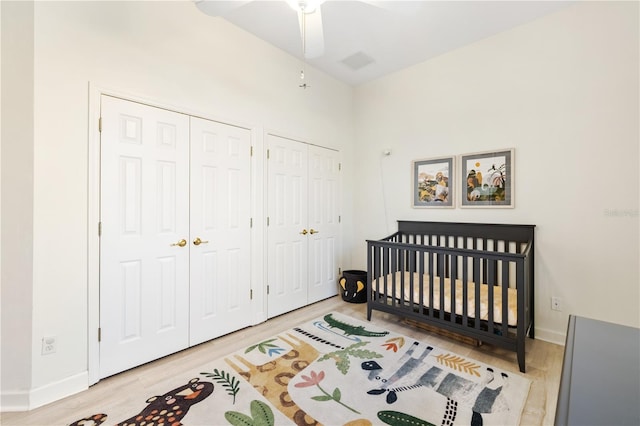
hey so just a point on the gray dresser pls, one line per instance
(600, 383)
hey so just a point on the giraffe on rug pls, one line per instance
(271, 378)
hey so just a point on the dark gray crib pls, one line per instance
(462, 277)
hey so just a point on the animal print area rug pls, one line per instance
(336, 370)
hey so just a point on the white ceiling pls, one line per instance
(395, 34)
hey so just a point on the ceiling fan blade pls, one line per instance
(312, 33)
(217, 7)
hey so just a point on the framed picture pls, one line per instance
(432, 182)
(487, 179)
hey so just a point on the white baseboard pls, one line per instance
(14, 401)
(58, 390)
(28, 400)
(550, 336)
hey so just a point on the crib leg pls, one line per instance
(520, 350)
(369, 313)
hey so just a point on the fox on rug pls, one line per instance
(337, 370)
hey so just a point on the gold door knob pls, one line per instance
(313, 231)
(304, 232)
(180, 243)
(198, 241)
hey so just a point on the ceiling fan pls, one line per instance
(309, 20)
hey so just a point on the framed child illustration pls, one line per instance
(432, 182)
(487, 179)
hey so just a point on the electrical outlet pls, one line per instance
(48, 345)
(556, 304)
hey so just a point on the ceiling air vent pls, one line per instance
(357, 61)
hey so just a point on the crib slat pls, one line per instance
(505, 297)
(452, 281)
(395, 258)
(431, 274)
(412, 269)
(476, 281)
(465, 290)
(441, 284)
(421, 281)
(402, 269)
(385, 266)
(381, 270)
(373, 271)
(490, 296)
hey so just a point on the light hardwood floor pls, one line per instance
(544, 363)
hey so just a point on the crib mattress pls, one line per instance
(512, 300)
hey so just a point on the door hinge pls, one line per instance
(339, 166)
(267, 290)
(99, 334)
(251, 222)
(99, 229)
(267, 220)
(251, 151)
(339, 271)
(251, 294)
(100, 124)
(339, 219)
(267, 154)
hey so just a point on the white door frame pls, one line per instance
(93, 214)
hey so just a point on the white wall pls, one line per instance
(562, 91)
(17, 200)
(168, 53)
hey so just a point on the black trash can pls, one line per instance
(353, 286)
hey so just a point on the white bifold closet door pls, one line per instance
(303, 224)
(175, 232)
(144, 269)
(323, 219)
(220, 229)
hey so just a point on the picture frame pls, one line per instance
(432, 183)
(487, 179)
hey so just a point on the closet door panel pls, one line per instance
(144, 285)
(220, 229)
(324, 216)
(287, 230)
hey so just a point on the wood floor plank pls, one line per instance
(544, 364)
